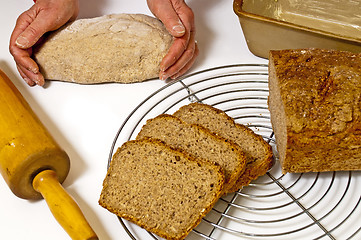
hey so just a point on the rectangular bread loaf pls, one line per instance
(259, 156)
(315, 105)
(198, 142)
(160, 189)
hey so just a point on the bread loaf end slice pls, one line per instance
(198, 142)
(160, 189)
(259, 156)
(314, 101)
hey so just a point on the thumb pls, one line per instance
(30, 27)
(31, 34)
(165, 12)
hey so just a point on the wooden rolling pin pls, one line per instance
(32, 163)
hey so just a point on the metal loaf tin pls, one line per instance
(291, 24)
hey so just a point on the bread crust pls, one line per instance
(175, 136)
(122, 48)
(315, 105)
(155, 128)
(219, 123)
(107, 202)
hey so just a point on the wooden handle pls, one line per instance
(62, 206)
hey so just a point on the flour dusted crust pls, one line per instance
(315, 105)
(121, 48)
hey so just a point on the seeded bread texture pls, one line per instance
(122, 48)
(198, 142)
(160, 189)
(315, 105)
(259, 157)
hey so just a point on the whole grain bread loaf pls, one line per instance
(198, 142)
(121, 48)
(315, 105)
(259, 157)
(160, 189)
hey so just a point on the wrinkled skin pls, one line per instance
(44, 16)
(178, 18)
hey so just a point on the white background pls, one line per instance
(84, 119)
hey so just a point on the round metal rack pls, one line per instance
(276, 205)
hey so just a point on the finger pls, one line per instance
(180, 57)
(22, 57)
(180, 44)
(175, 51)
(188, 65)
(29, 76)
(42, 17)
(22, 24)
(188, 56)
(166, 13)
(33, 30)
(27, 67)
(26, 78)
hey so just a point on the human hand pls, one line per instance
(43, 16)
(178, 18)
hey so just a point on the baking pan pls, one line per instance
(289, 24)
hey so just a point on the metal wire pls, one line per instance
(276, 205)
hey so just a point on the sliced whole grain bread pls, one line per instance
(161, 189)
(198, 142)
(259, 157)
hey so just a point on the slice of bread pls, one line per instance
(162, 190)
(258, 152)
(198, 142)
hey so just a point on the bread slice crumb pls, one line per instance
(198, 142)
(163, 190)
(259, 156)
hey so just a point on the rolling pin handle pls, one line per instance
(63, 207)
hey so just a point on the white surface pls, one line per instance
(84, 119)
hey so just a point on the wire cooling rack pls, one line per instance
(275, 206)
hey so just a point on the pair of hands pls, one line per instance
(49, 15)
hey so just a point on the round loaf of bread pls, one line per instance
(122, 48)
